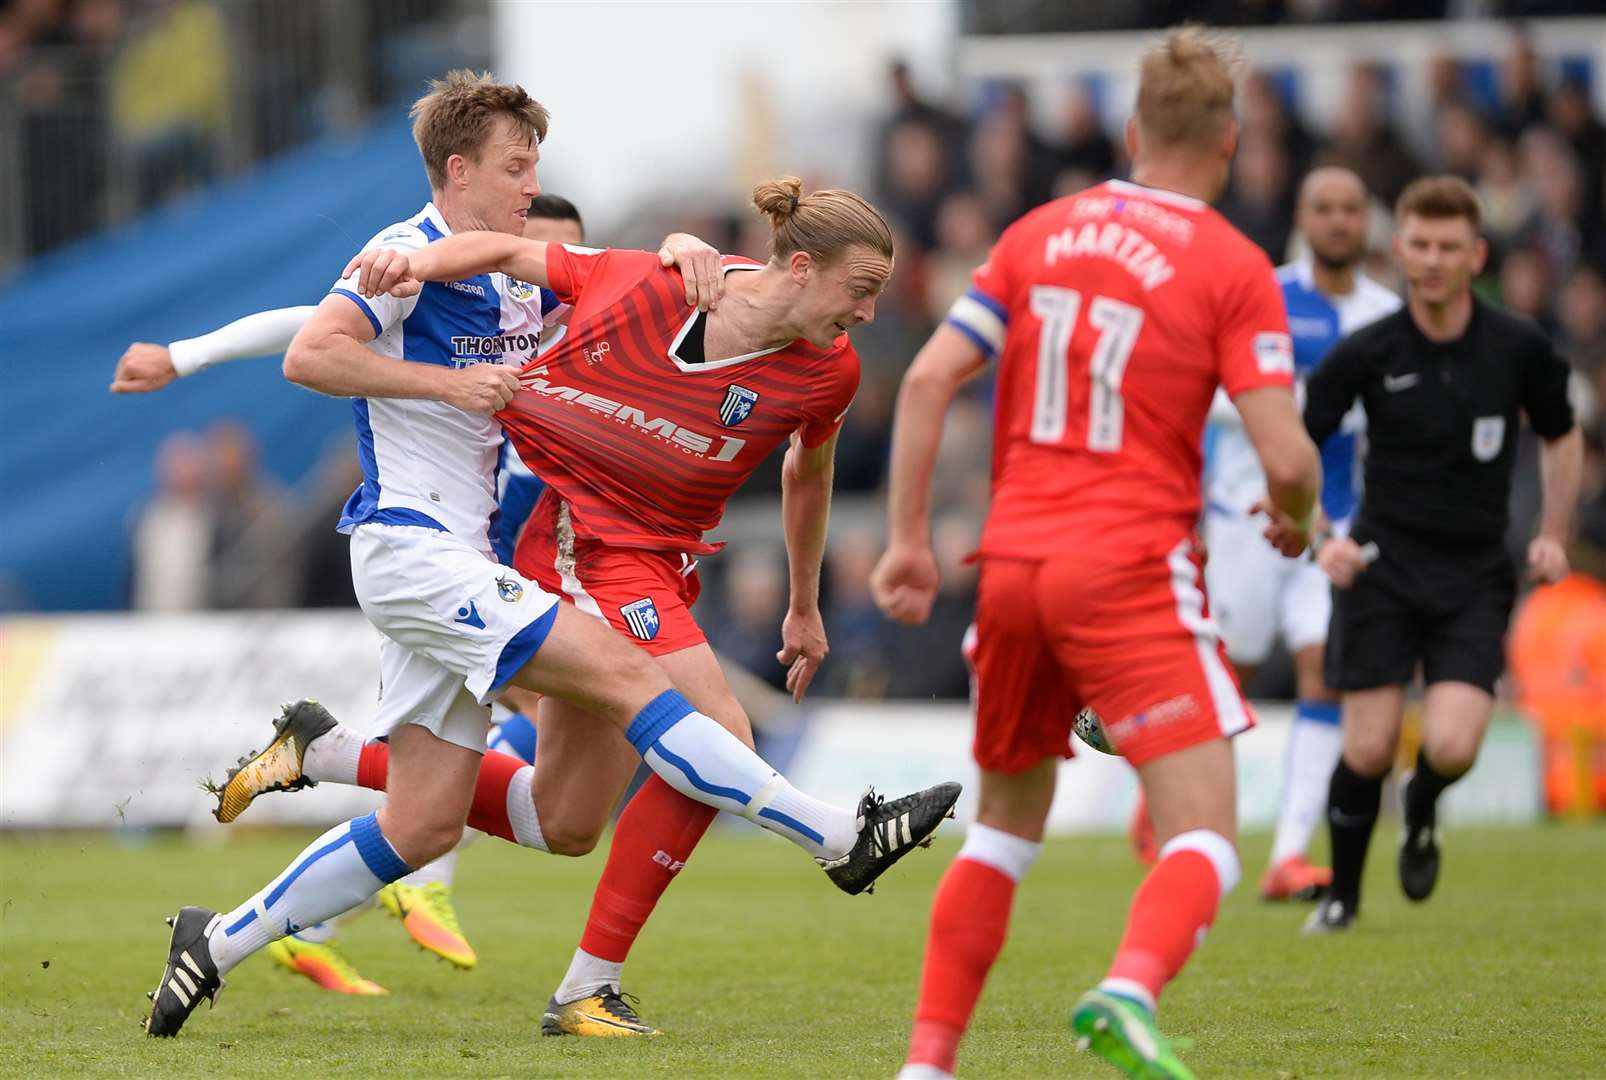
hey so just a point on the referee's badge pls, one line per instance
(1488, 436)
(642, 618)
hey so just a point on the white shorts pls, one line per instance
(457, 624)
(1256, 594)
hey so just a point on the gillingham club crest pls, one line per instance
(738, 405)
(642, 618)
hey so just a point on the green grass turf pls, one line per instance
(756, 967)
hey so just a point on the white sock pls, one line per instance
(333, 756)
(1127, 988)
(703, 761)
(337, 871)
(587, 975)
(521, 810)
(1313, 750)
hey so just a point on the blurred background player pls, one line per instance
(1424, 576)
(1115, 315)
(1255, 593)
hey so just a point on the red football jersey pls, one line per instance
(1115, 313)
(644, 446)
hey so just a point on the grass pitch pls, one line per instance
(756, 967)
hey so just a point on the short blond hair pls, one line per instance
(1185, 87)
(823, 223)
(456, 116)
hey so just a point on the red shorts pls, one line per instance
(1130, 638)
(645, 595)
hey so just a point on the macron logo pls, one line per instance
(467, 287)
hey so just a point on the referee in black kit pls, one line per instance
(1424, 577)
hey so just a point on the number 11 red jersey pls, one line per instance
(1115, 313)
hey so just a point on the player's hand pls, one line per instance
(1342, 560)
(904, 583)
(803, 646)
(143, 368)
(1284, 533)
(382, 270)
(482, 388)
(699, 269)
(1547, 561)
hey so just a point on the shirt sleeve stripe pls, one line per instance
(995, 306)
(980, 320)
(366, 310)
(977, 339)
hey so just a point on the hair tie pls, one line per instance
(793, 208)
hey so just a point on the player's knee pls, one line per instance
(421, 842)
(1220, 851)
(571, 838)
(1369, 754)
(1454, 759)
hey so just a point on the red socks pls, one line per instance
(1173, 908)
(652, 841)
(488, 812)
(969, 920)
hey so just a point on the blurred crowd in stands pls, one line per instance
(108, 107)
(950, 174)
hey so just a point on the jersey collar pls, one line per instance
(714, 365)
(432, 214)
(1175, 198)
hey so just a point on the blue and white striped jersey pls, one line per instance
(1234, 480)
(425, 462)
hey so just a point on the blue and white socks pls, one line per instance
(1314, 743)
(337, 871)
(701, 760)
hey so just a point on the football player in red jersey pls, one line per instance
(643, 421)
(1113, 314)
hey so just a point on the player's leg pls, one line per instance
(422, 900)
(1463, 657)
(1143, 651)
(1455, 716)
(1314, 739)
(1023, 711)
(970, 912)
(1371, 731)
(432, 780)
(652, 842)
(586, 663)
(1374, 641)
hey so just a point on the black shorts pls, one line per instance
(1422, 601)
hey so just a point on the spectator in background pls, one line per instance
(926, 657)
(1085, 147)
(172, 534)
(1265, 115)
(862, 446)
(1508, 199)
(1363, 139)
(964, 237)
(169, 97)
(1260, 198)
(1522, 100)
(748, 628)
(253, 528)
(1552, 230)
(1462, 141)
(914, 180)
(860, 664)
(1525, 285)
(1573, 117)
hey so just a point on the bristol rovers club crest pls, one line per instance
(738, 405)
